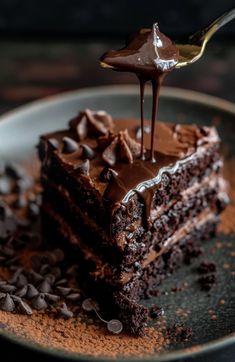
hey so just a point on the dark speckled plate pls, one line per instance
(213, 340)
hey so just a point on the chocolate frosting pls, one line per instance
(175, 144)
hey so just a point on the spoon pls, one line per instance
(193, 49)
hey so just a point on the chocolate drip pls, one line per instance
(150, 55)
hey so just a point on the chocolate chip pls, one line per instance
(88, 305)
(21, 281)
(50, 278)
(64, 312)
(39, 302)
(5, 185)
(69, 145)
(54, 143)
(7, 304)
(61, 282)
(114, 326)
(7, 250)
(15, 171)
(72, 270)
(44, 287)
(87, 152)
(45, 268)
(63, 291)
(107, 174)
(52, 297)
(31, 292)
(22, 291)
(7, 288)
(25, 308)
(73, 297)
(83, 167)
(35, 277)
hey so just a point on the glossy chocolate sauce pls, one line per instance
(151, 56)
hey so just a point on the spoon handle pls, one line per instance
(205, 34)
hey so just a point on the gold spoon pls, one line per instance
(193, 49)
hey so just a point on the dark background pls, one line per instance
(108, 18)
(51, 46)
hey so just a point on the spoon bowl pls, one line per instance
(193, 48)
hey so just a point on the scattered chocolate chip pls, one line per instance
(88, 305)
(72, 270)
(54, 143)
(73, 297)
(207, 281)
(51, 297)
(44, 287)
(63, 291)
(39, 302)
(35, 277)
(21, 281)
(61, 282)
(65, 312)
(50, 278)
(15, 171)
(45, 268)
(69, 145)
(107, 174)
(31, 292)
(114, 326)
(22, 291)
(7, 288)
(25, 308)
(12, 261)
(2, 295)
(5, 185)
(83, 167)
(206, 267)
(87, 152)
(156, 312)
(7, 304)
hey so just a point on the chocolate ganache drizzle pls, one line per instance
(151, 56)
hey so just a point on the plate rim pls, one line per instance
(166, 92)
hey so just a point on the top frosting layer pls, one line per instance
(107, 153)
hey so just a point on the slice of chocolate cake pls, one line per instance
(131, 220)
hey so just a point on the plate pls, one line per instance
(213, 338)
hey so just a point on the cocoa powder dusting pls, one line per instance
(76, 336)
